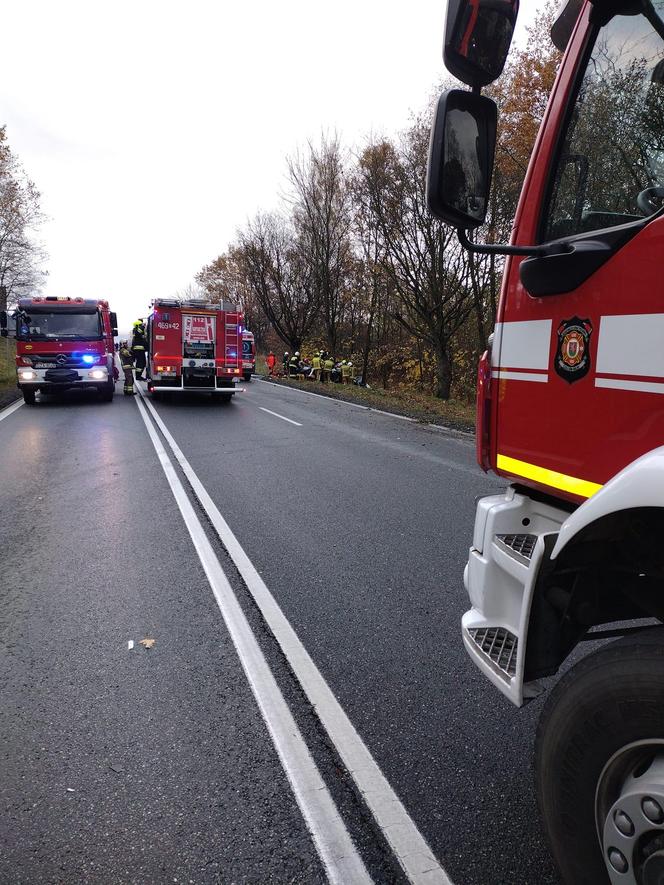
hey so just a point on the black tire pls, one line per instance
(29, 396)
(225, 398)
(247, 376)
(611, 699)
(106, 393)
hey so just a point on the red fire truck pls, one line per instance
(194, 346)
(248, 354)
(63, 343)
(571, 414)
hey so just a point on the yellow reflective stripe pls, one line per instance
(572, 484)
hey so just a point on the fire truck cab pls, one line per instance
(194, 346)
(63, 343)
(570, 411)
(248, 354)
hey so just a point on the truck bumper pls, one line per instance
(40, 379)
(500, 577)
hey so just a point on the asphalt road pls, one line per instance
(359, 525)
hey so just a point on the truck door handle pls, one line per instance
(566, 264)
(565, 270)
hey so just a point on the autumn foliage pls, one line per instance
(352, 261)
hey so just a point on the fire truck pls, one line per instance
(63, 343)
(248, 354)
(570, 412)
(194, 346)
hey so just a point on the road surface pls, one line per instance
(179, 762)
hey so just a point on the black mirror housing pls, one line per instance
(478, 36)
(461, 155)
(114, 323)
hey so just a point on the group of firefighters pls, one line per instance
(134, 355)
(321, 367)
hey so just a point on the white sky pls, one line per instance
(154, 129)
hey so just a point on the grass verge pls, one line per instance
(421, 407)
(8, 389)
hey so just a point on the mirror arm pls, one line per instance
(530, 251)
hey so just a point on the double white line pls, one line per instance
(333, 843)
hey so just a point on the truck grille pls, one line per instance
(499, 645)
(522, 545)
(61, 360)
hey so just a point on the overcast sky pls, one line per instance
(154, 129)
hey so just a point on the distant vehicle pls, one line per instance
(570, 413)
(248, 354)
(63, 343)
(194, 346)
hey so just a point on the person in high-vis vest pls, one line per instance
(139, 345)
(127, 363)
(328, 366)
(294, 364)
(285, 362)
(346, 369)
(316, 366)
(270, 361)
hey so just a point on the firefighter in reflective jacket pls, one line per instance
(127, 363)
(139, 344)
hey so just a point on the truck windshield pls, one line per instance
(611, 166)
(59, 324)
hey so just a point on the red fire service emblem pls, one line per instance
(572, 360)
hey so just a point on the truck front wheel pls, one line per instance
(106, 393)
(29, 396)
(599, 765)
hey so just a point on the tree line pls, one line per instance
(22, 256)
(352, 262)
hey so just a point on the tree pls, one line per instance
(425, 262)
(21, 256)
(274, 266)
(322, 218)
(224, 279)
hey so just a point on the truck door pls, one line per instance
(578, 356)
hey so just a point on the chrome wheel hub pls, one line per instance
(630, 815)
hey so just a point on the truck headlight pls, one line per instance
(98, 374)
(26, 374)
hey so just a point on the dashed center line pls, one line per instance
(283, 417)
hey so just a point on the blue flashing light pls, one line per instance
(88, 359)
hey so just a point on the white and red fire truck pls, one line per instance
(571, 414)
(63, 343)
(248, 354)
(194, 346)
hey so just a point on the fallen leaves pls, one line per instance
(147, 643)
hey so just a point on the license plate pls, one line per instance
(46, 365)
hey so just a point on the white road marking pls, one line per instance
(277, 415)
(394, 415)
(408, 844)
(332, 399)
(5, 413)
(333, 843)
(130, 644)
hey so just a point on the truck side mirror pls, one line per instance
(461, 155)
(478, 35)
(3, 323)
(114, 324)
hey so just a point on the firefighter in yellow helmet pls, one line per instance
(127, 363)
(139, 346)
